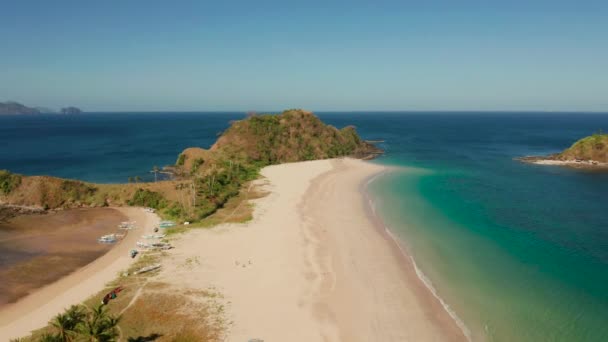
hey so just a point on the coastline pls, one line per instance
(427, 292)
(36, 309)
(311, 265)
(579, 164)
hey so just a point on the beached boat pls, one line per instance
(154, 236)
(166, 224)
(127, 225)
(147, 269)
(110, 238)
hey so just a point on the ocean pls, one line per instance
(518, 252)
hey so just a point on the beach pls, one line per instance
(312, 265)
(36, 309)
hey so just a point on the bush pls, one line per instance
(147, 198)
(196, 163)
(181, 160)
(9, 181)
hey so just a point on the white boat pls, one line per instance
(127, 225)
(147, 269)
(154, 236)
(110, 238)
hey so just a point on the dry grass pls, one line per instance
(173, 317)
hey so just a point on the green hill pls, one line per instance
(205, 179)
(593, 148)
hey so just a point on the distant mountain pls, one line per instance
(15, 108)
(10, 107)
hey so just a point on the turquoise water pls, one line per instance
(518, 251)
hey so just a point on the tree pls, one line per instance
(130, 179)
(50, 338)
(66, 323)
(155, 169)
(98, 326)
(137, 179)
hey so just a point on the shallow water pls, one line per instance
(36, 250)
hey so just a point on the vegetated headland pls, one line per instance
(589, 153)
(204, 179)
(204, 184)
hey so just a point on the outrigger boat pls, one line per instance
(154, 236)
(110, 238)
(147, 269)
(127, 225)
(166, 224)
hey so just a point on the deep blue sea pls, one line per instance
(519, 252)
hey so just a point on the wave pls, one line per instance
(423, 278)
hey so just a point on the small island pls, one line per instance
(16, 108)
(589, 152)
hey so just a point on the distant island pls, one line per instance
(588, 152)
(16, 108)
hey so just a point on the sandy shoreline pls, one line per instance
(312, 265)
(315, 264)
(35, 310)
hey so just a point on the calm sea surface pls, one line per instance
(519, 252)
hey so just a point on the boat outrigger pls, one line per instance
(147, 269)
(110, 238)
(166, 224)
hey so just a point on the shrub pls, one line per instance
(9, 181)
(147, 198)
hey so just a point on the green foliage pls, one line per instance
(181, 160)
(77, 191)
(9, 181)
(196, 163)
(175, 211)
(147, 198)
(98, 326)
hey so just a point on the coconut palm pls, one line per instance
(98, 326)
(66, 323)
(156, 170)
(63, 325)
(50, 338)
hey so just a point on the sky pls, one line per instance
(320, 55)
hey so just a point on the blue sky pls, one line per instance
(270, 55)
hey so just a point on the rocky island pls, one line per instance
(16, 108)
(588, 152)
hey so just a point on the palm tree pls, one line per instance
(155, 169)
(98, 326)
(130, 179)
(50, 338)
(66, 323)
(137, 179)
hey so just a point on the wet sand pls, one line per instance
(37, 308)
(36, 250)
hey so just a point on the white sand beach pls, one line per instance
(311, 265)
(35, 310)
